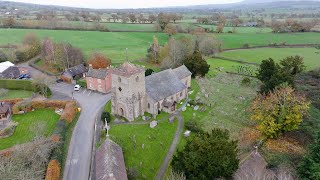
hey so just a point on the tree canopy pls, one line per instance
(279, 111)
(196, 64)
(208, 156)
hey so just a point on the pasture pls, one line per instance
(112, 44)
(41, 122)
(311, 58)
(238, 29)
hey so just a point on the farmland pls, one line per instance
(311, 58)
(238, 29)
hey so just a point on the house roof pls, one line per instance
(11, 72)
(4, 107)
(98, 73)
(77, 70)
(127, 69)
(182, 72)
(110, 162)
(163, 84)
(5, 65)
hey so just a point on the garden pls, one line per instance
(13, 94)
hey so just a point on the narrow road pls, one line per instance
(78, 160)
(172, 149)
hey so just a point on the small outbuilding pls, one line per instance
(109, 162)
(75, 72)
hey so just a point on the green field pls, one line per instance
(130, 27)
(27, 127)
(17, 94)
(238, 29)
(238, 40)
(156, 144)
(112, 44)
(311, 58)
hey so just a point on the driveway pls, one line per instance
(80, 150)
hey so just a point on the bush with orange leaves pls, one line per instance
(284, 145)
(66, 79)
(98, 61)
(49, 104)
(69, 112)
(53, 170)
(13, 101)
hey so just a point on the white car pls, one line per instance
(77, 87)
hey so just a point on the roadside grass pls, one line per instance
(156, 144)
(311, 58)
(112, 44)
(12, 94)
(238, 29)
(27, 127)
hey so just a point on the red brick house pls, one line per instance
(99, 79)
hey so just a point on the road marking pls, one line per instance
(72, 162)
(89, 93)
(84, 91)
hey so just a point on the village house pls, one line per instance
(74, 72)
(109, 162)
(5, 65)
(133, 94)
(99, 79)
(13, 72)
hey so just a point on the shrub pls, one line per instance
(82, 83)
(53, 171)
(246, 45)
(194, 126)
(3, 56)
(66, 79)
(133, 173)
(69, 112)
(59, 131)
(14, 84)
(246, 81)
(107, 116)
(21, 55)
(149, 72)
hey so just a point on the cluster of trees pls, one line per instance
(99, 61)
(141, 18)
(31, 47)
(291, 25)
(184, 51)
(273, 74)
(61, 55)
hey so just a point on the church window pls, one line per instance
(137, 78)
(148, 105)
(181, 94)
(119, 79)
(158, 105)
(120, 89)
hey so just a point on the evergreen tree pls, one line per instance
(208, 156)
(196, 64)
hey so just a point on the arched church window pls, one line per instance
(120, 89)
(137, 78)
(119, 79)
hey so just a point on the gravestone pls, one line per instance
(153, 124)
(196, 108)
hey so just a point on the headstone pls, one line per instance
(181, 102)
(203, 91)
(206, 95)
(196, 108)
(184, 109)
(187, 133)
(153, 124)
(191, 92)
(197, 98)
(143, 118)
(188, 105)
(142, 146)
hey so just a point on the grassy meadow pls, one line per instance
(238, 29)
(156, 142)
(41, 122)
(17, 94)
(311, 58)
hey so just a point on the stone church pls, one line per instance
(133, 94)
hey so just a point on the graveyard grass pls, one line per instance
(156, 145)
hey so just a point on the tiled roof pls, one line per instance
(110, 162)
(5, 65)
(11, 72)
(77, 70)
(98, 73)
(163, 84)
(4, 107)
(127, 69)
(182, 72)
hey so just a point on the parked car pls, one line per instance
(24, 76)
(77, 87)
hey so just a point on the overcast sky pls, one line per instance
(118, 4)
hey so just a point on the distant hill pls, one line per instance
(273, 1)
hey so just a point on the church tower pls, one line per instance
(128, 91)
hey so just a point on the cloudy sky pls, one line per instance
(125, 3)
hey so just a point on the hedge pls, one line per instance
(15, 84)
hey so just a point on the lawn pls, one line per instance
(238, 29)
(237, 40)
(32, 124)
(17, 94)
(112, 44)
(311, 58)
(156, 144)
